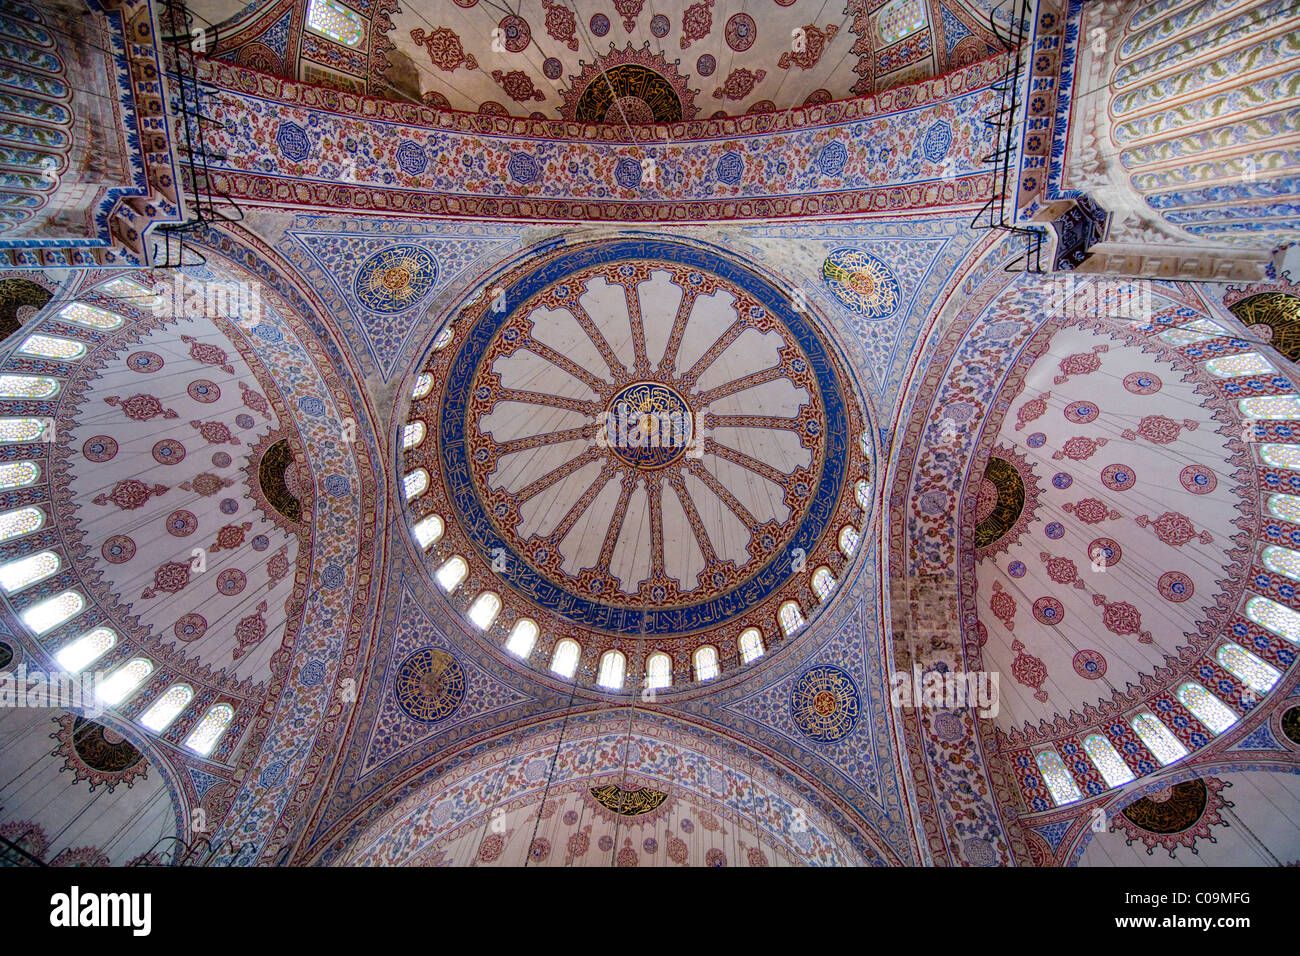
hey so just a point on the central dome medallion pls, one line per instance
(644, 438)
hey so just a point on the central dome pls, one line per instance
(642, 437)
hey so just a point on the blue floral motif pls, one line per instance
(730, 168)
(523, 169)
(293, 142)
(937, 142)
(832, 159)
(311, 406)
(412, 157)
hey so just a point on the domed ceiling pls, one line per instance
(612, 61)
(640, 441)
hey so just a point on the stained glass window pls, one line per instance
(209, 730)
(1247, 668)
(452, 572)
(659, 670)
(1158, 739)
(901, 19)
(125, 679)
(48, 346)
(484, 610)
(28, 386)
(706, 663)
(1282, 621)
(90, 316)
(1233, 366)
(1273, 407)
(1283, 561)
(22, 429)
(335, 21)
(444, 338)
(611, 670)
(751, 645)
(1058, 779)
(121, 288)
(848, 540)
(15, 474)
(823, 583)
(413, 434)
(20, 521)
(864, 495)
(1107, 760)
(1187, 335)
(423, 385)
(428, 530)
(52, 612)
(16, 575)
(791, 617)
(565, 659)
(167, 707)
(415, 483)
(86, 649)
(522, 638)
(1281, 456)
(1209, 710)
(1285, 507)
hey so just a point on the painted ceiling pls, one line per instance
(324, 509)
(608, 61)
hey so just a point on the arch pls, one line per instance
(484, 610)
(1247, 668)
(23, 572)
(428, 530)
(750, 643)
(823, 583)
(452, 572)
(412, 434)
(705, 660)
(522, 637)
(52, 612)
(86, 649)
(659, 670)
(564, 661)
(124, 681)
(167, 707)
(203, 738)
(791, 617)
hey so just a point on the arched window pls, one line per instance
(751, 645)
(1059, 782)
(1282, 561)
(423, 385)
(51, 347)
(123, 288)
(848, 540)
(443, 339)
(484, 610)
(659, 670)
(864, 495)
(18, 574)
(1281, 456)
(413, 434)
(335, 21)
(706, 663)
(21, 429)
(1270, 407)
(1247, 668)
(1202, 330)
(1158, 739)
(167, 707)
(52, 612)
(522, 638)
(124, 680)
(86, 649)
(452, 572)
(92, 317)
(791, 617)
(565, 659)
(1282, 621)
(415, 483)
(20, 521)
(823, 583)
(1235, 366)
(612, 664)
(428, 530)
(17, 474)
(28, 386)
(209, 730)
(1209, 710)
(1285, 507)
(1107, 760)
